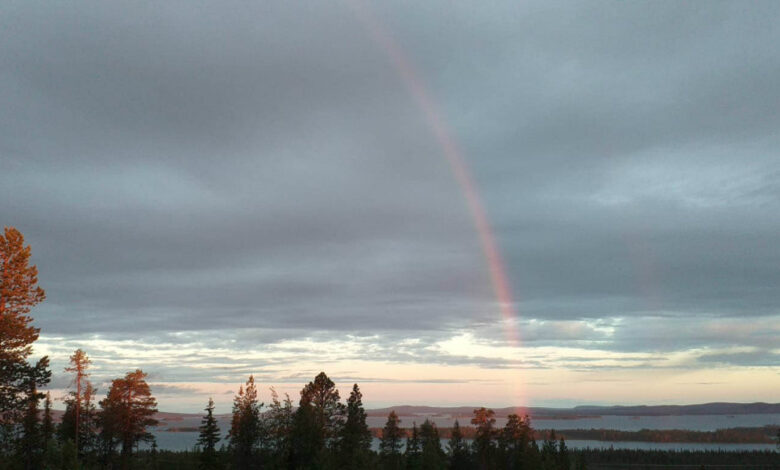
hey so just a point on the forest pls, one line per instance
(319, 432)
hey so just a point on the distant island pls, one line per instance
(717, 408)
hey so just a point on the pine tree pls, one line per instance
(126, 412)
(209, 436)
(88, 425)
(316, 424)
(86, 431)
(19, 292)
(79, 364)
(322, 395)
(515, 441)
(307, 441)
(458, 449)
(245, 427)
(391, 445)
(484, 444)
(355, 438)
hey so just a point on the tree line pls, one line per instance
(323, 433)
(87, 436)
(744, 435)
(320, 432)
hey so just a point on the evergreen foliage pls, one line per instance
(79, 363)
(355, 438)
(279, 426)
(549, 452)
(47, 424)
(458, 449)
(317, 424)
(245, 430)
(322, 433)
(516, 442)
(432, 456)
(391, 445)
(413, 453)
(484, 443)
(19, 380)
(126, 413)
(31, 444)
(208, 438)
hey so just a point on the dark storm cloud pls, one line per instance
(203, 167)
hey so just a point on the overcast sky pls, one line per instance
(213, 189)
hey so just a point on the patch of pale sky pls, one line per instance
(697, 178)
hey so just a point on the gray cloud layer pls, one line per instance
(225, 166)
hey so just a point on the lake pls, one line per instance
(186, 440)
(620, 423)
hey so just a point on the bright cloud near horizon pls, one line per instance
(213, 190)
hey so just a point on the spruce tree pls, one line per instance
(432, 455)
(47, 424)
(391, 445)
(47, 433)
(564, 462)
(306, 442)
(245, 427)
(413, 451)
(458, 449)
(549, 452)
(31, 443)
(208, 438)
(355, 438)
(279, 425)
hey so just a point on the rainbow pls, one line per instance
(454, 156)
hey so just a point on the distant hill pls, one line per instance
(676, 410)
(540, 412)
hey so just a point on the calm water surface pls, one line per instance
(186, 440)
(620, 423)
